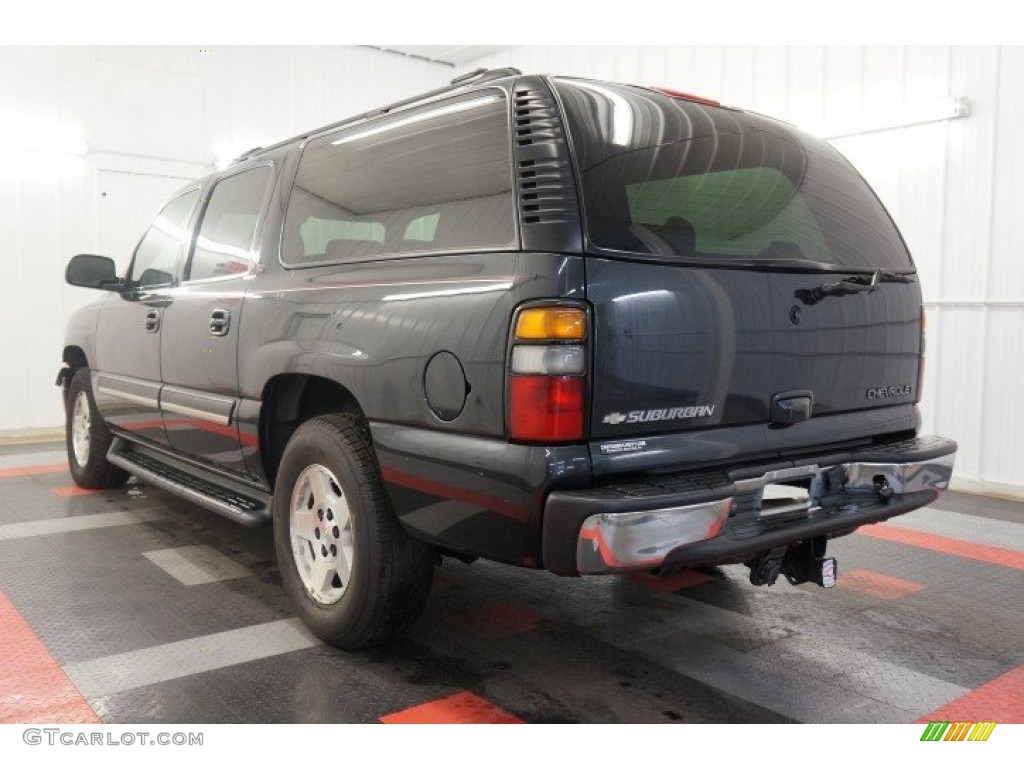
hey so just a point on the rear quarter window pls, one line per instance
(436, 178)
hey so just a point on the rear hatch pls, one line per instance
(734, 260)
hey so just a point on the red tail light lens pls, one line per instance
(546, 408)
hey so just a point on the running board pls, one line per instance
(234, 500)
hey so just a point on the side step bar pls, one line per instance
(234, 500)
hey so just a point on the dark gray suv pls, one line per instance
(553, 322)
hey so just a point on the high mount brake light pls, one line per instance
(687, 96)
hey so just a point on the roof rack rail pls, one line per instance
(477, 76)
(483, 75)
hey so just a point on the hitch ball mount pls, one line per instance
(800, 563)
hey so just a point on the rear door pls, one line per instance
(199, 354)
(736, 263)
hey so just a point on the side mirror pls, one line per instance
(90, 271)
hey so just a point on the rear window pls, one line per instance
(438, 178)
(674, 180)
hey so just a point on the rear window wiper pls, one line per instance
(855, 284)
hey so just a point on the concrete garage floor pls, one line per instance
(133, 606)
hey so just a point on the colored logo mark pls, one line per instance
(940, 731)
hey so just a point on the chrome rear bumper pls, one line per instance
(736, 518)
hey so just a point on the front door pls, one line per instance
(126, 380)
(199, 352)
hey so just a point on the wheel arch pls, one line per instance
(75, 359)
(288, 400)
(74, 356)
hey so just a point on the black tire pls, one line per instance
(391, 572)
(96, 472)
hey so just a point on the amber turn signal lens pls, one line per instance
(551, 323)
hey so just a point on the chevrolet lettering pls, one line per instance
(880, 393)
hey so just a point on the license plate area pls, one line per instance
(788, 493)
(779, 500)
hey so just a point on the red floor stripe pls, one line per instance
(947, 546)
(1001, 700)
(462, 708)
(878, 584)
(676, 581)
(493, 622)
(33, 687)
(38, 469)
(73, 490)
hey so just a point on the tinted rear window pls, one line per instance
(438, 178)
(675, 180)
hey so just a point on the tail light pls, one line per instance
(547, 394)
(920, 362)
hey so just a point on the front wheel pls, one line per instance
(354, 576)
(88, 438)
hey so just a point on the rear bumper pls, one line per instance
(719, 517)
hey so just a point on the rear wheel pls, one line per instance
(353, 575)
(88, 438)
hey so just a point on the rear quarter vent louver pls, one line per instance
(542, 191)
(536, 119)
(547, 191)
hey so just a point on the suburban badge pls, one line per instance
(659, 414)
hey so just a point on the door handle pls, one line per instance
(153, 321)
(220, 322)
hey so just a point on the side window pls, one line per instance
(224, 241)
(431, 179)
(156, 258)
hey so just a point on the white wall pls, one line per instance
(956, 189)
(153, 117)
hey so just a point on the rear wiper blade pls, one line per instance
(855, 284)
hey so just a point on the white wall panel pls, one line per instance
(953, 187)
(1002, 407)
(961, 361)
(969, 176)
(771, 64)
(805, 84)
(153, 117)
(1006, 276)
(737, 75)
(844, 81)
